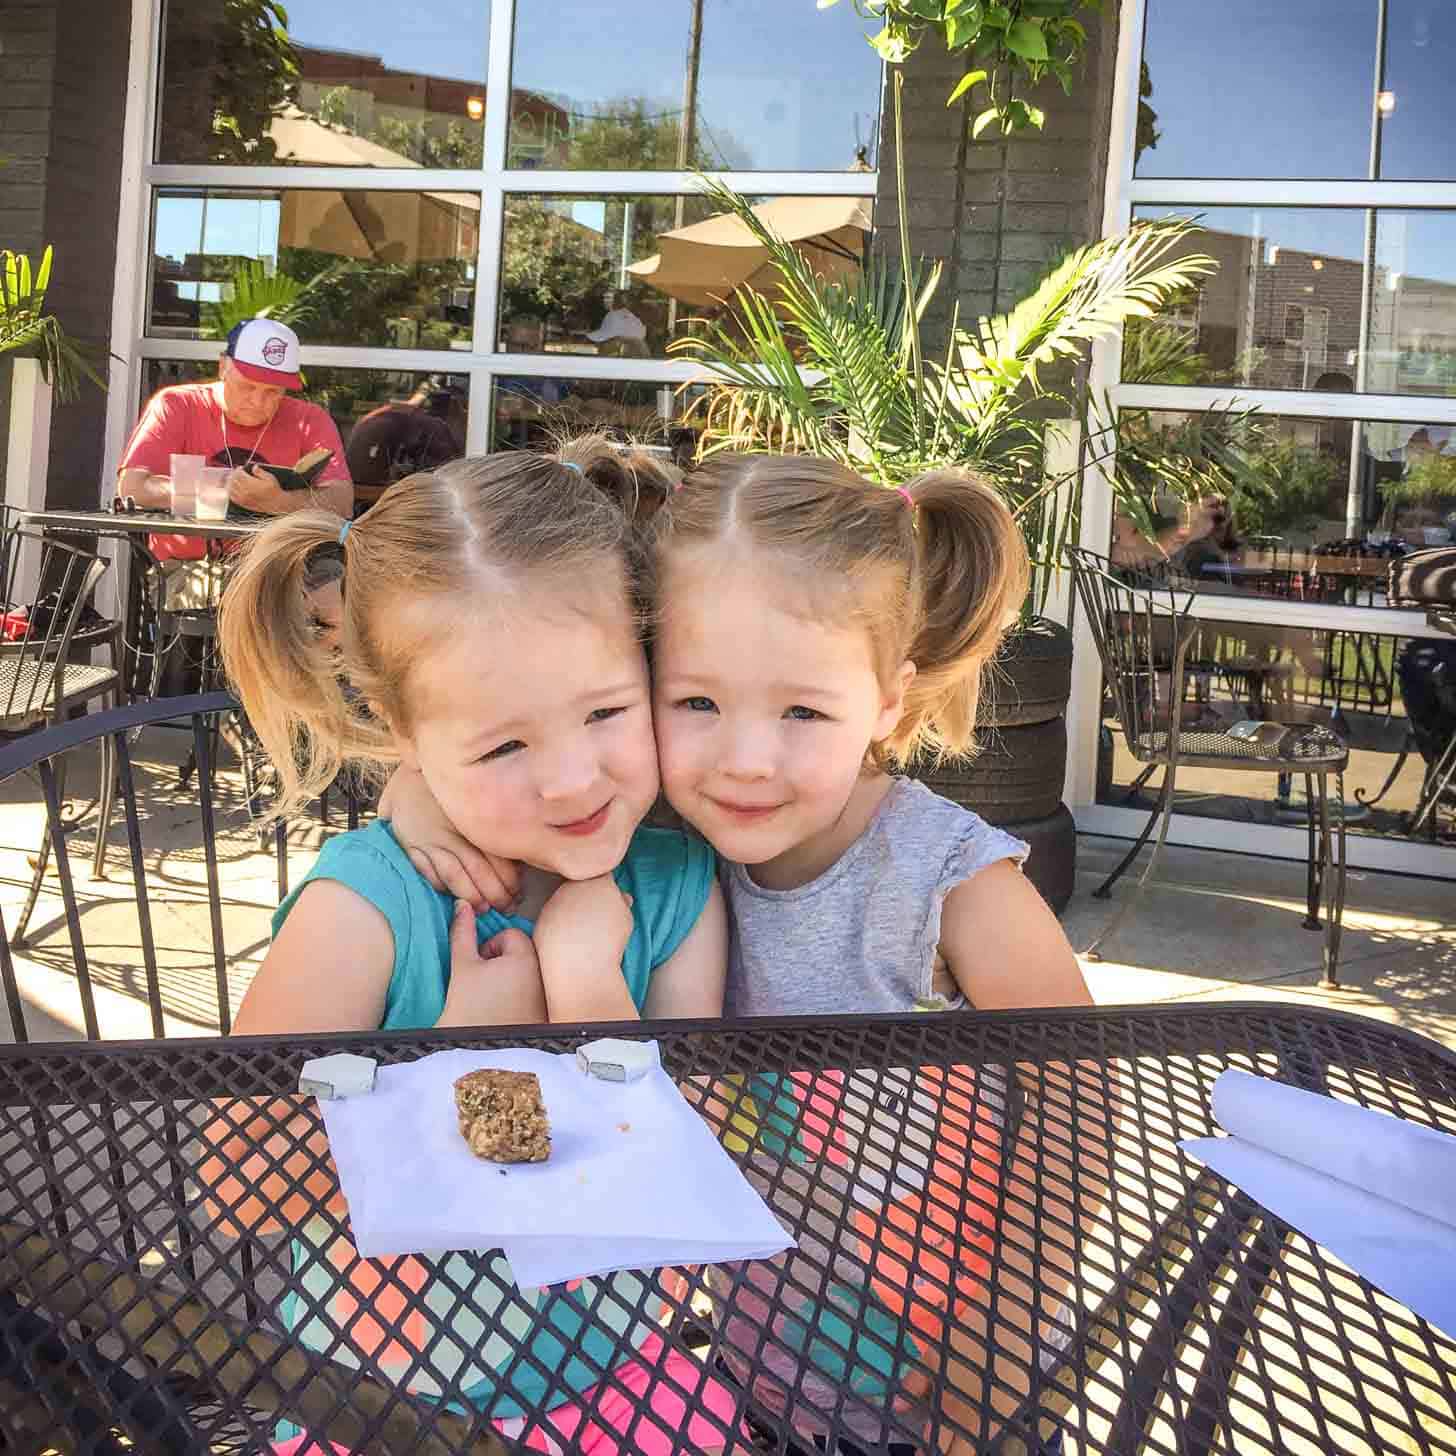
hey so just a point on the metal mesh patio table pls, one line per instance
(136, 1316)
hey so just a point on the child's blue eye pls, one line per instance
(699, 705)
(515, 745)
(802, 714)
(601, 715)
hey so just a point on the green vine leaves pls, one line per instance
(1009, 47)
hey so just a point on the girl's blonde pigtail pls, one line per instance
(971, 576)
(284, 676)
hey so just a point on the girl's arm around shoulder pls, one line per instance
(690, 982)
(328, 968)
(1004, 946)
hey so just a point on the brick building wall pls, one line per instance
(62, 107)
(996, 212)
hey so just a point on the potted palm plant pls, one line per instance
(836, 369)
(28, 330)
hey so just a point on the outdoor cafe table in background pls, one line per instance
(134, 527)
(1198, 1321)
(138, 525)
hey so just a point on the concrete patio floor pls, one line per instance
(1212, 926)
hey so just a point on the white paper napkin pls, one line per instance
(1378, 1192)
(635, 1178)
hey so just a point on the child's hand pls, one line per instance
(495, 984)
(581, 936)
(446, 859)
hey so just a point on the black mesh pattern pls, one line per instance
(134, 1315)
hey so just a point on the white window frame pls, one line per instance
(1122, 193)
(491, 182)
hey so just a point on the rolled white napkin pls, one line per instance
(1378, 1192)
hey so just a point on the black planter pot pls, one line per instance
(1031, 678)
(1015, 780)
(1016, 775)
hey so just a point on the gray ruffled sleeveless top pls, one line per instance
(863, 936)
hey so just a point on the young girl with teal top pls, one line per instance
(489, 641)
(812, 633)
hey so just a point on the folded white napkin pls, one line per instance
(635, 1178)
(1378, 1192)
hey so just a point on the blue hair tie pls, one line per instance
(344, 531)
(572, 465)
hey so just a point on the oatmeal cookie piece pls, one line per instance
(502, 1117)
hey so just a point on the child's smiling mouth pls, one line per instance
(583, 828)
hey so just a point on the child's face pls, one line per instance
(533, 729)
(763, 716)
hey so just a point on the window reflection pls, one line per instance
(388, 269)
(1297, 509)
(317, 83)
(1418, 113)
(674, 84)
(392, 422)
(1392, 699)
(1413, 304)
(1246, 88)
(625, 276)
(533, 411)
(1284, 308)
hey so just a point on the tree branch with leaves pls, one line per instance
(1010, 48)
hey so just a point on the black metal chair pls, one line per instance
(1143, 636)
(48, 584)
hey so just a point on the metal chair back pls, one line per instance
(1143, 636)
(161, 947)
(37, 633)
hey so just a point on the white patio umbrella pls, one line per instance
(703, 263)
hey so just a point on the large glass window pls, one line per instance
(323, 84)
(1253, 89)
(388, 269)
(428, 413)
(1417, 101)
(532, 410)
(1249, 89)
(673, 84)
(1380, 693)
(606, 280)
(624, 276)
(1309, 510)
(1285, 307)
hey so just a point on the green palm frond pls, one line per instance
(256, 292)
(1087, 297)
(852, 337)
(26, 328)
(826, 366)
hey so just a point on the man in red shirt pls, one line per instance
(243, 419)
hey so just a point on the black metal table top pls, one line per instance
(141, 523)
(1195, 1322)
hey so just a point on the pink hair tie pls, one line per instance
(906, 496)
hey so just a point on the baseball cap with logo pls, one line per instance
(265, 350)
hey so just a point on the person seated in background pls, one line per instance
(244, 419)
(1212, 539)
(399, 439)
(620, 331)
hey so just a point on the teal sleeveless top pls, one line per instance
(669, 876)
